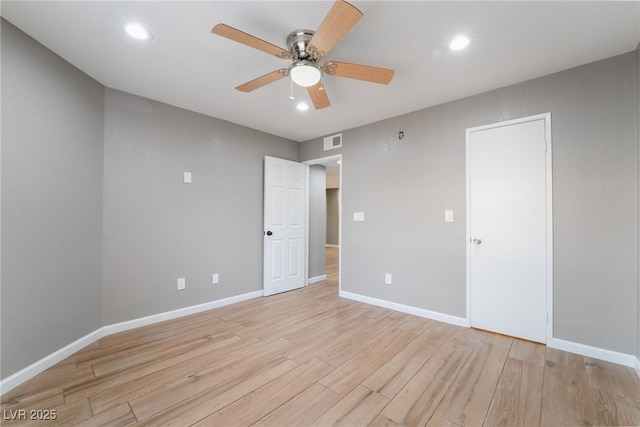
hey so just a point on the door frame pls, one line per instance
(307, 164)
(549, 211)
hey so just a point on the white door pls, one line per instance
(509, 227)
(284, 228)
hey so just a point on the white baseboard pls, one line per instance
(45, 363)
(161, 317)
(329, 245)
(595, 352)
(433, 315)
(571, 347)
(317, 279)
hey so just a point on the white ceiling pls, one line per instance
(187, 66)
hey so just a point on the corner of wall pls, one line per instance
(52, 159)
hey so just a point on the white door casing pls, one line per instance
(509, 227)
(284, 225)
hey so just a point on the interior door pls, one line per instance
(284, 228)
(508, 220)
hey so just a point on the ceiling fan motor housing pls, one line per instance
(297, 43)
(305, 70)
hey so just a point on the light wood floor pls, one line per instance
(310, 358)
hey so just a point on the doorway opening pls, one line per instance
(324, 219)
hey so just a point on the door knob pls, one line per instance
(477, 241)
(269, 233)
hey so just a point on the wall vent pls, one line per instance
(333, 141)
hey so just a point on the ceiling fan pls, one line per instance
(306, 49)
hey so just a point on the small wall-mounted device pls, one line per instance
(448, 215)
(333, 141)
(401, 134)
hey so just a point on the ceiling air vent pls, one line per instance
(331, 142)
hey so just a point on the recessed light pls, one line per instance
(459, 43)
(302, 106)
(137, 31)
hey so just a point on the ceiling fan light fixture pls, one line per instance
(305, 73)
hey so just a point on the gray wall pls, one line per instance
(96, 222)
(404, 186)
(317, 220)
(51, 202)
(156, 228)
(333, 216)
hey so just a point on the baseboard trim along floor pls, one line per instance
(556, 343)
(34, 369)
(45, 363)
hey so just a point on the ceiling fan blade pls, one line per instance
(318, 95)
(341, 18)
(360, 72)
(263, 80)
(249, 40)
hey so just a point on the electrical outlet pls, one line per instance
(387, 278)
(215, 279)
(182, 283)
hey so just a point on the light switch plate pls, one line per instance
(448, 216)
(187, 177)
(358, 216)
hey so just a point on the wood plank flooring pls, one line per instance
(310, 358)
